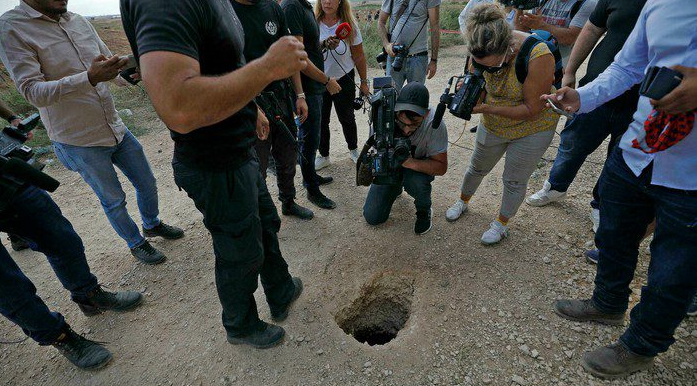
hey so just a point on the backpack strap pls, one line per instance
(523, 58)
(521, 61)
(575, 8)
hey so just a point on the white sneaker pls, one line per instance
(545, 196)
(322, 162)
(455, 211)
(354, 155)
(595, 218)
(496, 232)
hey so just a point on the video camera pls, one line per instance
(401, 52)
(382, 156)
(521, 4)
(460, 103)
(17, 163)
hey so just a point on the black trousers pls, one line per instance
(343, 101)
(281, 146)
(242, 219)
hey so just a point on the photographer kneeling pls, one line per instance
(514, 120)
(429, 158)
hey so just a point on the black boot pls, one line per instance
(290, 208)
(18, 243)
(98, 301)
(80, 351)
(282, 314)
(269, 336)
(320, 200)
(324, 180)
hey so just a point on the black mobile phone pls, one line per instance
(659, 81)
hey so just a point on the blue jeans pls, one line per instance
(308, 138)
(378, 204)
(34, 217)
(581, 136)
(96, 166)
(627, 205)
(414, 70)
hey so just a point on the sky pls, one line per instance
(83, 7)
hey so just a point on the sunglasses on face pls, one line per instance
(491, 69)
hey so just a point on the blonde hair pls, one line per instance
(487, 32)
(344, 13)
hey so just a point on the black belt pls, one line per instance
(422, 53)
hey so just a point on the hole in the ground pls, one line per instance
(380, 311)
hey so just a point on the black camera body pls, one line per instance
(387, 148)
(521, 4)
(17, 164)
(460, 103)
(401, 52)
(12, 140)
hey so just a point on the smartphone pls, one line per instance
(131, 61)
(659, 81)
(559, 110)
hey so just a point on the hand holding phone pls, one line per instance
(559, 110)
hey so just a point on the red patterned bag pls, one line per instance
(663, 130)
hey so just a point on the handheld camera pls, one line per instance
(401, 53)
(460, 103)
(382, 156)
(17, 164)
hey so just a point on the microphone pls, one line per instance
(343, 31)
(438, 117)
(24, 172)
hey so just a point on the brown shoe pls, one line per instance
(585, 311)
(614, 361)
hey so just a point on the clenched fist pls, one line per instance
(285, 57)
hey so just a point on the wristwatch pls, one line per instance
(301, 95)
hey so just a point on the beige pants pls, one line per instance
(522, 155)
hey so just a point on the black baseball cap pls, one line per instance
(413, 97)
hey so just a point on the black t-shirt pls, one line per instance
(263, 23)
(210, 32)
(301, 22)
(618, 17)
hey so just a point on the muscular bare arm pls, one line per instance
(186, 100)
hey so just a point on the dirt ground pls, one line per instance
(471, 315)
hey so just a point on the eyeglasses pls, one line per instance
(414, 125)
(491, 69)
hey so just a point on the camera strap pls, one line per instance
(399, 15)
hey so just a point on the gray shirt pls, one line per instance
(427, 141)
(415, 16)
(558, 13)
